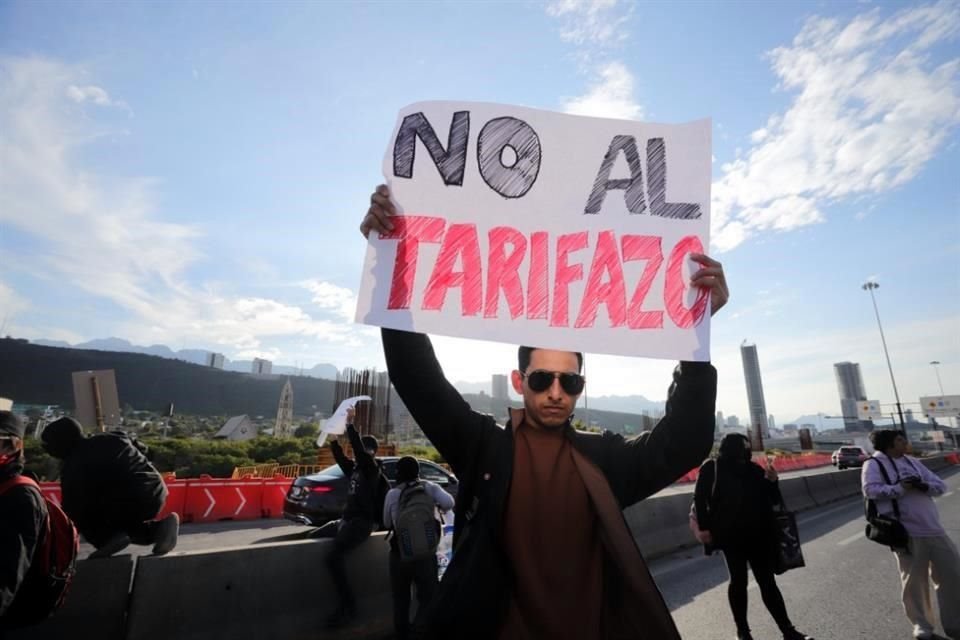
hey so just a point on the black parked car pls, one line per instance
(319, 498)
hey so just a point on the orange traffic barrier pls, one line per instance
(210, 500)
(273, 493)
(176, 497)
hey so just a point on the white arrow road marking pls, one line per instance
(212, 503)
(243, 501)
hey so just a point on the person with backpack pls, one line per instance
(410, 514)
(110, 489)
(38, 543)
(734, 504)
(361, 515)
(901, 486)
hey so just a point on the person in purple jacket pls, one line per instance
(931, 554)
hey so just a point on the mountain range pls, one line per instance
(622, 404)
(195, 356)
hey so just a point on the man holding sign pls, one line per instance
(541, 548)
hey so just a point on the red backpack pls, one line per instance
(55, 560)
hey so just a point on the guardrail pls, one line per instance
(271, 470)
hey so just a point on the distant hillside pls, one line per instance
(196, 356)
(616, 421)
(35, 374)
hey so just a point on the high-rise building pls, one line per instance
(720, 423)
(498, 389)
(771, 424)
(261, 367)
(908, 415)
(733, 422)
(751, 374)
(215, 360)
(850, 387)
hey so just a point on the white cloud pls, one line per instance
(104, 234)
(10, 302)
(590, 22)
(611, 96)
(89, 93)
(871, 107)
(329, 296)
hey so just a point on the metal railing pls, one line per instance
(271, 470)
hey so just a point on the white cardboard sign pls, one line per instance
(337, 423)
(545, 229)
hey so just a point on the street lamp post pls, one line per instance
(870, 286)
(936, 369)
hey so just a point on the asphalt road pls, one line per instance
(849, 589)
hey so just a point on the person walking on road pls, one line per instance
(930, 555)
(541, 547)
(110, 489)
(409, 513)
(361, 515)
(735, 500)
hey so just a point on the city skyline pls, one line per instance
(210, 198)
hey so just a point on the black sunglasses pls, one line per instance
(540, 380)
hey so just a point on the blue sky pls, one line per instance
(194, 174)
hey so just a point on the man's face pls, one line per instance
(550, 407)
(9, 446)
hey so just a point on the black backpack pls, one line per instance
(416, 528)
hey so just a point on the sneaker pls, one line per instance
(793, 634)
(116, 544)
(168, 530)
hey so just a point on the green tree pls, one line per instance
(307, 430)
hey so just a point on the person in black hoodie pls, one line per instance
(735, 501)
(23, 516)
(361, 515)
(110, 490)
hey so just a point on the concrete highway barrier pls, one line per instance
(823, 489)
(278, 590)
(283, 590)
(796, 494)
(660, 525)
(98, 600)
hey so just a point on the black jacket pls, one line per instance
(23, 515)
(737, 509)
(107, 474)
(475, 590)
(368, 486)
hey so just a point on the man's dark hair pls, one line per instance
(523, 358)
(882, 439)
(370, 443)
(408, 469)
